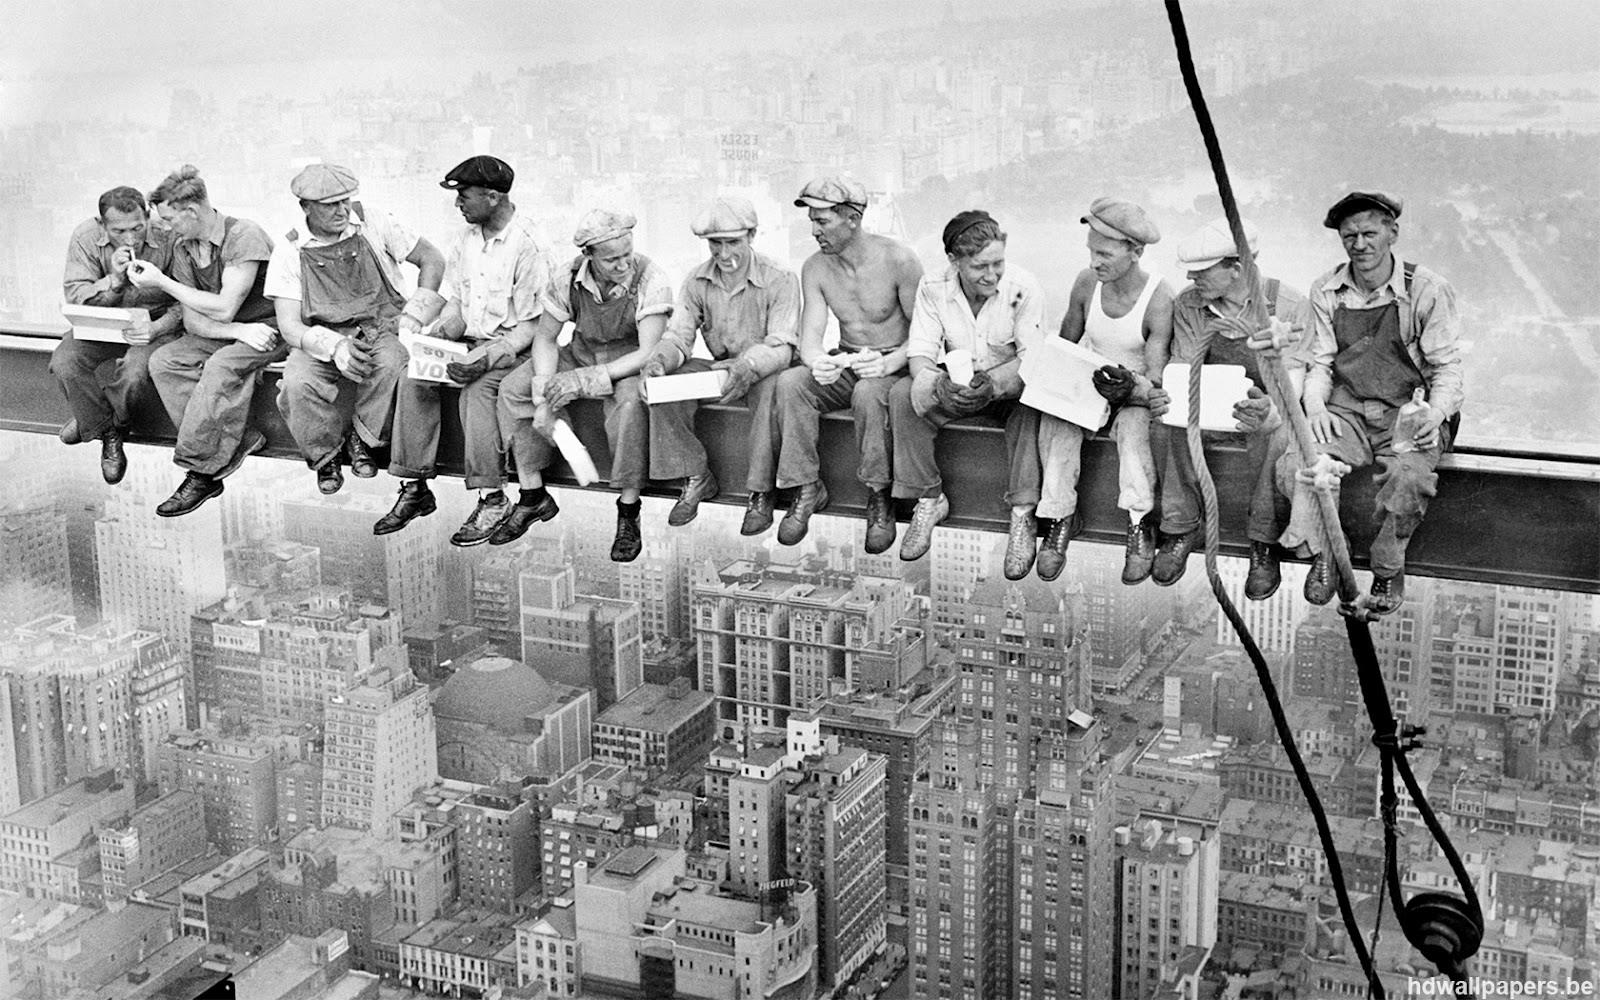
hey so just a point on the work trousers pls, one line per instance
(1268, 513)
(800, 403)
(321, 406)
(416, 429)
(1405, 484)
(104, 383)
(1061, 455)
(627, 424)
(676, 452)
(206, 386)
(916, 470)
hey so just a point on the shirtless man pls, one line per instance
(1119, 310)
(870, 284)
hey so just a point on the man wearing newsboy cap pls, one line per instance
(747, 308)
(498, 269)
(337, 293)
(1222, 299)
(1118, 310)
(869, 282)
(1382, 331)
(618, 302)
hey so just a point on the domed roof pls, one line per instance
(495, 691)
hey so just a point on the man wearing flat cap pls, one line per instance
(991, 311)
(498, 269)
(337, 291)
(1383, 330)
(1122, 312)
(747, 309)
(1232, 302)
(869, 282)
(618, 302)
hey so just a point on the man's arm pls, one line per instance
(86, 282)
(1440, 343)
(1318, 385)
(650, 330)
(908, 274)
(926, 337)
(429, 262)
(531, 279)
(1072, 324)
(1158, 319)
(677, 343)
(776, 351)
(1026, 332)
(813, 311)
(220, 305)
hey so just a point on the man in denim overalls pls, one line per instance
(339, 305)
(1380, 329)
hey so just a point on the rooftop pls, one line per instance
(654, 707)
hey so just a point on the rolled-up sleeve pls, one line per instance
(557, 301)
(85, 281)
(1439, 340)
(655, 293)
(926, 338)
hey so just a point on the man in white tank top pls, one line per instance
(1123, 312)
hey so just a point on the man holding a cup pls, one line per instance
(982, 316)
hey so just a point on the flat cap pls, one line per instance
(727, 217)
(831, 192)
(1121, 220)
(324, 183)
(480, 171)
(601, 224)
(1361, 201)
(1211, 243)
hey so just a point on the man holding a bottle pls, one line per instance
(1381, 329)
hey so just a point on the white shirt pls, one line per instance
(1006, 325)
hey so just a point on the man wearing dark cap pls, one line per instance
(747, 309)
(105, 383)
(1124, 313)
(499, 268)
(338, 295)
(1382, 329)
(992, 312)
(869, 282)
(618, 302)
(1223, 300)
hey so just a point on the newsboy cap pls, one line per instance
(1211, 243)
(480, 171)
(324, 183)
(831, 192)
(601, 224)
(725, 218)
(1361, 201)
(1121, 220)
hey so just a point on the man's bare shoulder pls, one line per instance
(1083, 285)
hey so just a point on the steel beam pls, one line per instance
(1500, 517)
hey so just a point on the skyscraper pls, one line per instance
(399, 570)
(380, 747)
(592, 642)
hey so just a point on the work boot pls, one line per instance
(625, 547)
(113, 461)
(522, 517)
(478, 528)
(1140, 556)
(330, 478)
(415, 501)
(69, 433)
(1172, 556)
(757, 513)
(252, 442)
(880, 521)
(695, 489)
(1053, 553)
(1388, 592)
(811, 498)
(1319, 581)
(919, 533)
(195, 490)
(1022, 543)
(1264, 577)
(361, 464)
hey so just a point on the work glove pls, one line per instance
(654, 366)
(1115, 383)
(462, 372)
(353, 360)
(741, 376)
(578, 383)
(964, 401)
(1256, 412)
